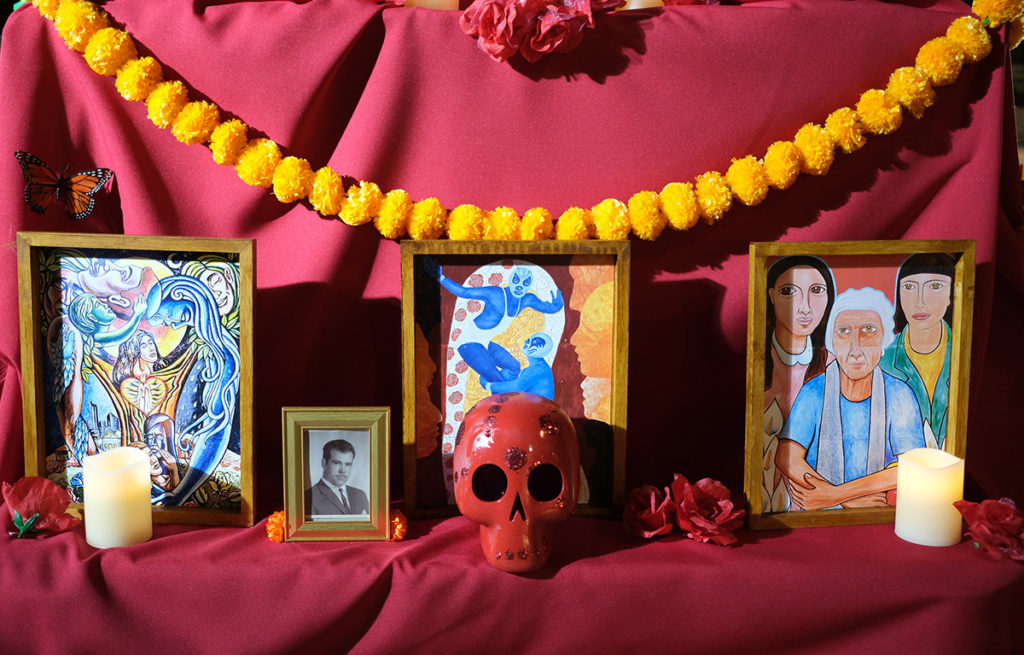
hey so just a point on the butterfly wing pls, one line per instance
(79, 189)
(43, 185)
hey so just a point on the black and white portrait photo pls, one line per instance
(339, 475)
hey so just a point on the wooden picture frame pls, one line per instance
(330, 447)
(811, 383)
(146, 342)
(578, 289)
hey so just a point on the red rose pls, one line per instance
(499, 25)
(706, 511)
(649, 512)
(37, 497)
(559, 29)
(995, 525)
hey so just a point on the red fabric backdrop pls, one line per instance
(401, 97)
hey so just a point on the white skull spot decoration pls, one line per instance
(516, 474)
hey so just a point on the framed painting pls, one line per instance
(857, 351)
(144, 342)
(486, 317)
(336, 473)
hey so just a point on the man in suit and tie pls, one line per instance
(332, 494)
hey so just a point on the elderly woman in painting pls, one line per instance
(800, 295)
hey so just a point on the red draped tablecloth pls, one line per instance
(401, 97)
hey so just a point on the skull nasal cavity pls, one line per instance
(489, 483)
(517, 508)
(545, 482)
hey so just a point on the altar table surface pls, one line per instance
(402, 97)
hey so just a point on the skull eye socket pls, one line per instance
(545, 482)
(489, 483)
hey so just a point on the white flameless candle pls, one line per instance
(928, 482)
(118, 509)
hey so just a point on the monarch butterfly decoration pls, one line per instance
(76, 191)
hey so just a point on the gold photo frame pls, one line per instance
(144, 342)
(878, 345)
(336, 473)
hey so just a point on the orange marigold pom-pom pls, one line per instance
(196, 122)
(257, 162)
(878, 113)
(502, 224)
(782, 164)
(714, 197)
(138, 77)
(77, 21)
(466, 223)
(748, 181)
(537, 225)
(843, 127)
(328, 192)
(1016, 33)
(399, 525)
(910, 88)
(275, 526)
(227, 142)
(108, 50)
(393, 218)
(164, 103)
(679, 204)
(940, 60)
(293, 179)
(970, 34)
(362, 203)
(645, 215)
(575, 224)
(611, 219)
(817, 150)
(47, 8)
(996, 12)
(428, 219)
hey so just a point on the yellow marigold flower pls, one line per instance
(257, 162)
(575, 224)
(1016, 33)
(77, 21)
(972, 37)
(328, 192)
(878, 113)
(292, 180)
(996, 12)
(537, 225)
(399, 525)
(611, 219)
(911, 89)
(138, 77)
(362, 204)
(645, 215)
(748, 181)
(817, 149)
(47, 8)
(164, 103)
(275, 526)
(679, 204)
(428, 219)
(393, 218)
(227, 142)
(714, 197)
(844, 128)
(108, 50)
(782, 164)
(466, 223)
(940, 60)
(502, 224)
(196, 122)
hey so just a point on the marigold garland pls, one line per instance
(109, 51)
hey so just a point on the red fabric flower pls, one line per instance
(995, 525)
(559, 29)
(649, 512)
(705, 510)
(34, 496)
(499, 25)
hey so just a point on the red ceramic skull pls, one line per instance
(516, 474)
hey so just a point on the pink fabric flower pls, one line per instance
(39, 497)
(995, 525)
(649, 512)
(706, 512)
(559, 29)
(499, 25)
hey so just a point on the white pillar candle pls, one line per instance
(433, 4)
(928, 482)
(116, 489)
